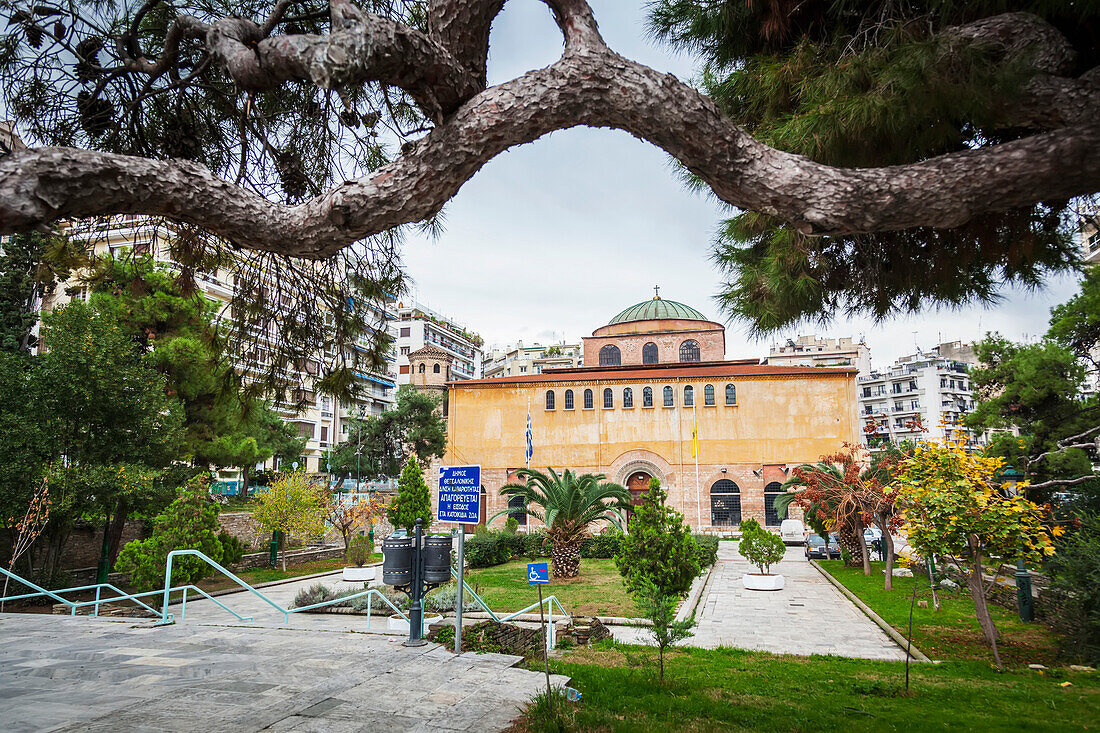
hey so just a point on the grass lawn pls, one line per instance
(953, 631)
(597, 591)
(730, 689)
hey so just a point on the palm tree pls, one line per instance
(566, 505)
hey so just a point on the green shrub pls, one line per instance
(511, 525)
(761, 548)
(749, 526)
(1075, 587)
(486, 549)
(536, 544)
(232, 548)
(659, 550)
(442, 600)
(604, 545)
(359, 551)
(708, 549)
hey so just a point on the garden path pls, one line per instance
(809, 616)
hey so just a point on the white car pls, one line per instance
(792, 532)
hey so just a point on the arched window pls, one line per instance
(668, 396)
(517, 502)
(731, 394)
(771, 491)
(708, 394)
(436, 369)
(647, 397)
(588, 399)
(610, 356)
(649, 353)
(569, 399)
(725, 504)
(689, 396)
(628, 397)
(608, 399)
(689, 351)
(549, 399)
(422, 367)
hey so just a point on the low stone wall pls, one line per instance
(495, 637)
(293, 557)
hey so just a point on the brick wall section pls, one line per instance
(712, 345)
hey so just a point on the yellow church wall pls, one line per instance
(778, 421)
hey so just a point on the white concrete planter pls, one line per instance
(396, 623)
(358, 575)
(755, 581)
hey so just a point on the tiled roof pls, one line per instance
(430, 350)
(658, 309)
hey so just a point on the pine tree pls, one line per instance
(413, 499)
(659, 548)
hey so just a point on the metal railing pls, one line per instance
(167, 618)
(549, 602)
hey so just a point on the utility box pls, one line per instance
(437, 559)
(397, 560)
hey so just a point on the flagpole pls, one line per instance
(695, 452)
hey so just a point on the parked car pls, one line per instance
(815, 548)
(792, 531)
(870, 534)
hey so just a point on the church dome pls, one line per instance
(658, 309)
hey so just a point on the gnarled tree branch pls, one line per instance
(589, 86)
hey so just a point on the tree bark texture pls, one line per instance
(118, 525)
(850, 542)
(443, 71)
(888, 543)
(976, 586)
(565, 557)
(864, 551)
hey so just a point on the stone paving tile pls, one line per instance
(83, 674)
(809, 616)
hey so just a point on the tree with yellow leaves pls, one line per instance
(291, 505)
(952, 505)
(345, 512)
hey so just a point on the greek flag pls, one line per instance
(530, 439)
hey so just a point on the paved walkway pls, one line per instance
(64, 673)
(809, 616)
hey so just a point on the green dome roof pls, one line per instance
(658, 308)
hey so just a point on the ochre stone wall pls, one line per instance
(778, 423)
(711, 340)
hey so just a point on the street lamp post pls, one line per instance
(1025, 602)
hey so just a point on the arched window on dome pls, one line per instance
(649, 353)
(610, 356)
(708, 395)
(608, 399)
(731, 394)
(549, 399)
(569, 399)
(689, 396)
(588, 399)
(689, 350)
(422, 368)
(647, 397)
(628, 397)
(668, 397)
(435, 369)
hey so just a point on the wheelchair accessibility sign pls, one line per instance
(538, 573)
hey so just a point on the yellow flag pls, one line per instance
(694, 434)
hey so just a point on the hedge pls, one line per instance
(488, 548)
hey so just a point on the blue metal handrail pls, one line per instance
(41, 592)
(167, 618)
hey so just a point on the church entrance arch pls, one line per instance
(637, 484)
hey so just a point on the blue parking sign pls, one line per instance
(459, 494)
(538, 573)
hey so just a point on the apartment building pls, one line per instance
(813, 351)
(317, 416)
(921, 396)
(419, 326)
(508, 361)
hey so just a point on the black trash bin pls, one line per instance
(437, 559)
(397, 560)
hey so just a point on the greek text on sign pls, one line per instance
(459, 494)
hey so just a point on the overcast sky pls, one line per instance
(552, 239)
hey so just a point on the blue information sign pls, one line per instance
(459, 494)
(537, 573)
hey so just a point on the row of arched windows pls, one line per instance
(725, 503)
(435, 368)
(611, 356)
(668, 397)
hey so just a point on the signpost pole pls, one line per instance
(458, 595)
(545, 654)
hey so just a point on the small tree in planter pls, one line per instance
(358, 553)
(762, 549)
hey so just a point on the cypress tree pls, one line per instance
(659, 548)
(413, 499)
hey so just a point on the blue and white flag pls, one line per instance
(530, 438)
